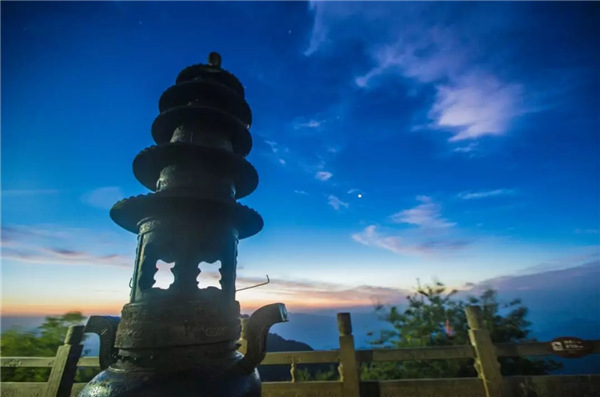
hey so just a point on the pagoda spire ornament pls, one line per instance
(183, 340)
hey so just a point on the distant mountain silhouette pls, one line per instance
(276, 343)
(564, 302)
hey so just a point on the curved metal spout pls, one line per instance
(106, 328)
(255, 333)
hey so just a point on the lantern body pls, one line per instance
(183, 340)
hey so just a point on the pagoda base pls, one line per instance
(114, 382)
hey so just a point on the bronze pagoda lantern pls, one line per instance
(183, 341)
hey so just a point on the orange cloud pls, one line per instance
(298, 295)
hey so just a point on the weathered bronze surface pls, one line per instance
(183, 341)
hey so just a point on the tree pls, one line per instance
(435, 318)
(42, 342)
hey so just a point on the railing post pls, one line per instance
(63, 371)
(349, 367)
(293, 371)
(486, 360)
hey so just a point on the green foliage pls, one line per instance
(331, 374)
(423, 324)
(304, 374)
(16, 342)
(44, 342)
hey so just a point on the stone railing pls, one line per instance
(490, 382)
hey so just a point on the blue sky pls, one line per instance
(394, 141)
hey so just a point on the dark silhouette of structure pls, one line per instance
(183, 341)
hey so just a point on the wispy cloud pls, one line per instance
(28, 233)
(323, 175)
(470, 103)
(485, 193)
(291, 155)
(104, 197)
(407, 244)
(319, 30)
(51, 245)
(469, 148)
(358, 192)
(301, 192)
(421, 44)
(307, 124)
(433, 233)
(277, 151)
(425, 215)
(61, 256)
(272, 145)
(308, 143)
(336, 203)
(311, 294)
(477, 105)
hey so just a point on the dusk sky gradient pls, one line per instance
(394, 141)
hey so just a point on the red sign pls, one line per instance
(570, 347)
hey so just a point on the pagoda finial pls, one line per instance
(214, 59)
